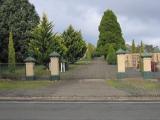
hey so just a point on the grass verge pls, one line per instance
(13, 85)
(137, 87)
(83, 62)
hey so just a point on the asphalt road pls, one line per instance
(79, 111)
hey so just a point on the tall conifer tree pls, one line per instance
(110, 33)
(142, 47)
(11, 53)
(133, 47)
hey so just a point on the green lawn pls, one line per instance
(83, 62)
(137, 87)
(12, 85)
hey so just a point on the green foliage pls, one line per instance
(110, 33)
(44, 42)
(133, 47)
(59, 46)
(11, 53)
(106, 50)
(90, 51)
(75, 44)
(18, 16)
(111, 57)
(103, 50)
(149, 48)
(97, 54)
(142, 47)
(23, 85)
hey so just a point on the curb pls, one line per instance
(83, 99)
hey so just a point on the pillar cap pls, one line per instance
(54, 54)
(146, 55)
(121, 51)
(29, 59)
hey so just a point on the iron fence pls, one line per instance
(13, 72)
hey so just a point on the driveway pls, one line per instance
(83, 81)
(96, 69)
(87, 88)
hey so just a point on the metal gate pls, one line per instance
(42, 72)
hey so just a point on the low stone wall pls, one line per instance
(143, 62)
(133, 60)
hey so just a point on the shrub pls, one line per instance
(111, 57)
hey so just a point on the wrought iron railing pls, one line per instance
(11, 71)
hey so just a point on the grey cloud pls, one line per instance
(139, 19)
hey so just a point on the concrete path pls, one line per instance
(79, 111)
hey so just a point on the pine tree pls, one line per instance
(44, 41)
(20, 17)
(142, 47)
(133, 47)
(110, 33)
(11, 53)
(141, 60)
(111, 57)
(75, 44)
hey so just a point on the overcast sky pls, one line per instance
(139, 19)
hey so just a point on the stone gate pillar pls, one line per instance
(121, 59)
(55, 66)
(146, 61)
(30, 62)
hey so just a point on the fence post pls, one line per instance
(63, 65)
(55, 66)
(30, 62)
(147, 72)
(121, 58)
